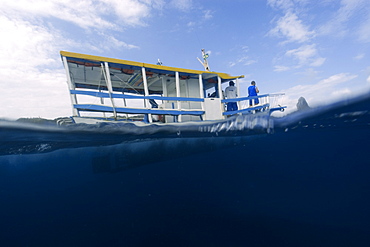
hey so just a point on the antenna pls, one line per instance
(205, 62)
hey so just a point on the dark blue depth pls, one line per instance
(307, 184)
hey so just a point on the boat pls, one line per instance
(113, 90)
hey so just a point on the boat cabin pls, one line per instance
(104, 89)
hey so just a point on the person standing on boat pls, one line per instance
(253, 91)
(231, 93)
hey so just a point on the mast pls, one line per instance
(205, 62)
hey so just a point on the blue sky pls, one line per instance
(316, 49)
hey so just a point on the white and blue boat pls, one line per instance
(107, 89)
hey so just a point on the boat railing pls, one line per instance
(174, 106)
(129, 96)
(174, 110)
(248, 105)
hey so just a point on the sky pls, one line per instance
(319, 50)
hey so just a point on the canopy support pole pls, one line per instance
(110, 87)
(146, 92)
(201, 92)
(71, 86)
(125, 105)
(238, 92)
(178, 94)
(164, 88)
(220, 94)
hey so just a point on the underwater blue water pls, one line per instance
(300, 180)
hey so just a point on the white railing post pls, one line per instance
(164, 88)
(238, 92)
(201, 92)
(178, 94)
(109, 86)
(71, 86)
(146, 92)
(220, 94)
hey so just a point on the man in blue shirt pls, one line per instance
(253, 91)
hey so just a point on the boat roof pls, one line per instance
(131, 68)
(164, 69)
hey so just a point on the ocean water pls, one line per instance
(300, 180)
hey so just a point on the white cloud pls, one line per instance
(280, 68)
(281, 4)
(29, 44)
(335, 79)
(36, 94)
(113, 42)
(302, 53)
(82, 13)
(203, 15)
(306, 55)
(243, 59)
(291, 5)
(191, 24)
(130, 11)
(24, 41)
(359, 56)
(323, 92)
(183, 5)
(245, 48)
(246, 61)
(368, 79)
(364, 30)
(349, 8)
(30, 70)
(87, 13)
(349, 11)
(250, 61)
(317, 62)
(341, 92)
(232, 64)
(208, 14)
(292, 28)
(30, 66)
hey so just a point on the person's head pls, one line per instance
(253, 83)
(231, 83)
